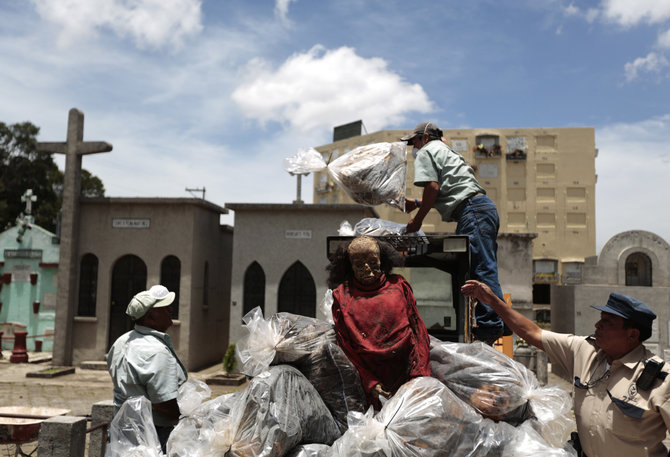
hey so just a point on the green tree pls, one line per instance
(22, 167)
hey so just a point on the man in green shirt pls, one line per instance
(449, 186)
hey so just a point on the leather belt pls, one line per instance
(457, 212)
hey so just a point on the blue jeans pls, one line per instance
(479, 220)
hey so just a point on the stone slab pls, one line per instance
(50, 372)
(94, 365)
(226, 379)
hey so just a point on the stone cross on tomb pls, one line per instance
(24, 221)
(74, 148)
(28, 198)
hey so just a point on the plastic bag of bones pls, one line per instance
(309, 345)
(501, 389)
(278, 410)
(425, 418)
(371, 175)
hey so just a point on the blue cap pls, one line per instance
(629, 308)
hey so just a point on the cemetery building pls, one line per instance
(126, 245)
(28, 271)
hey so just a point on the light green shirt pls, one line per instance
(435, 162)
(143, 362)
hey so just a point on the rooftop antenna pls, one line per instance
(196, 189)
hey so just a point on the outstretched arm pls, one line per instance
(520, 324)
(430, 192)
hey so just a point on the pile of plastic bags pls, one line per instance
(305, 400)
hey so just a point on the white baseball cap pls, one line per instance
(156, 297)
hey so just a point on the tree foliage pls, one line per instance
(22, 167)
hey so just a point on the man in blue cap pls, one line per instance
(621, 390)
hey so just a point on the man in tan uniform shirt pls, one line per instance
(619, 411)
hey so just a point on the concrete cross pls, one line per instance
(74, 148)
(28, 198)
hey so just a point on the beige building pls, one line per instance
(127, 245)
(541, 179)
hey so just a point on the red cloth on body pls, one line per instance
(380, 330)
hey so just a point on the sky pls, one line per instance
(215, 94)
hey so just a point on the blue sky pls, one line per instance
(217, 93)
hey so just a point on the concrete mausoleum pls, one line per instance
(28, 271)
(126, 245)
(634, 263)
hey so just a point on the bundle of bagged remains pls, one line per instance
(371, 175)
(305, 400)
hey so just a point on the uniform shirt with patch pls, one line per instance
(614, 418)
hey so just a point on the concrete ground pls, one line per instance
(76, 392)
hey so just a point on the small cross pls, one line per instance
(28, 198)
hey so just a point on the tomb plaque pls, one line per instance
(298, 234)
(131, 223)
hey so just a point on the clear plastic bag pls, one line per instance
(373, 174)
(194, 434)
(502, 389)
(191, 394)
(424, 418)
(309, 345)
(495, 385)
(379, 227)
(528, 443)
(553, 417)
(309, 450)
(305, 161)
(278, 410)
(345, 229)
(132, 432)
(283, 338)
(327, 306)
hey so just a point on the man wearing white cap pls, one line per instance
(143, 361)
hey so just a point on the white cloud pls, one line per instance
(281, 9)
(664, 40)
(652, 63)
(150, 23)
(633, 168)
(629, 12)
(322, 88)
(571, 10)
